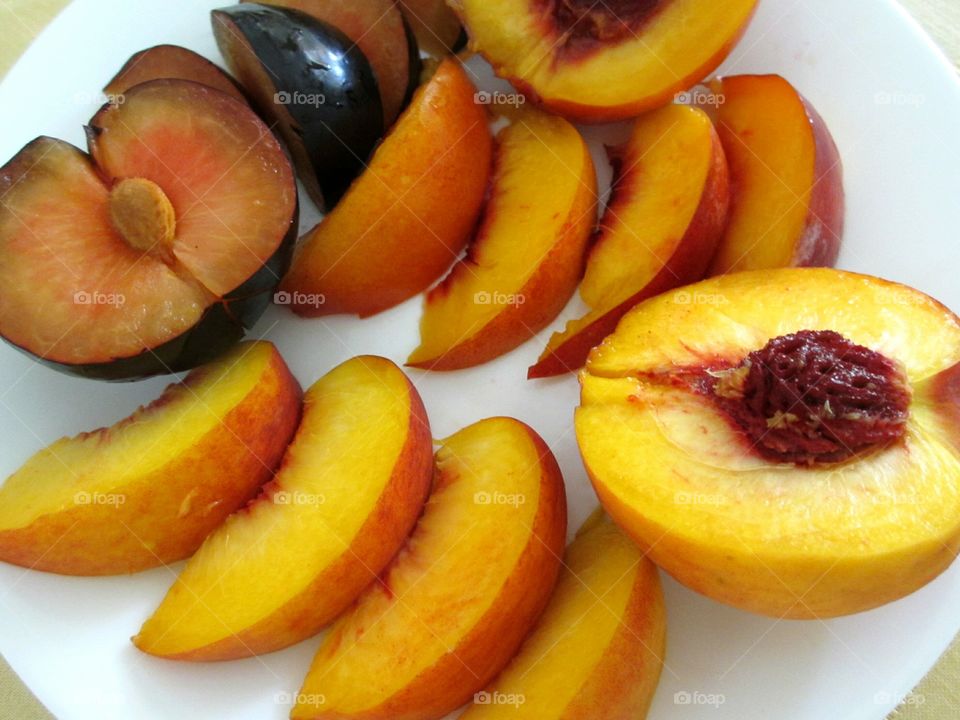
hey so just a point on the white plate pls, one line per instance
(893, 103)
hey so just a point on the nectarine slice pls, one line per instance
(408, 217)
(453, 607)
(604, 61)
(758, 466)
(528, 253)
(171, 62)
(347, 494)
(598, 648)
(788, 202)
(148, 490)
(155, 252)
(668, 209)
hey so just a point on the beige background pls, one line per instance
(937, 698)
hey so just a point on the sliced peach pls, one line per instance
(148, 490)
(171, 62)
(831, 489)
(351, 487)
(788, 202)
(408, 217)
(527, 257)
(660, 230)
(436, 26)
(378, 29)
(598, 648)
(456, 603)
(604, 61)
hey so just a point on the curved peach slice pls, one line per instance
(408, 217)
(171, 62)
(782, 441)
(660, 230)
(788, 203)
(527, 257)
(148, 490)
(604, 61)
(457, 601)
(436, 26)
(349, 491)
(598, 648)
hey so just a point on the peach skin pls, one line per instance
(528, 254)
(775, 451)
(598, 648)
(455, 604)
(347, 494)
(148, 490)
(788, 202)
(666, 214)
(601, 62)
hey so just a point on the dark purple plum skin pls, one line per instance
(303, 55)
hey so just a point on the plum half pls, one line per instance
(313, 83)
(158, 249)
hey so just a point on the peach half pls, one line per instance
(604, 61)
(598, 648)
(784, 441)
(455, 604)
(408, 217)
(788, 201)
(666, 214)
(148, 490)
(349, 490)
(528, 253)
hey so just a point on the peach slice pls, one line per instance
(604, 61)
(349, 491)
(408, 217)
(456, 603)
(527, 257)
(667, 212)
(832, 487)
(148, 490)
(788, 202)
(598, 648)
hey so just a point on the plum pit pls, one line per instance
(815, 397)
(141, 212)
